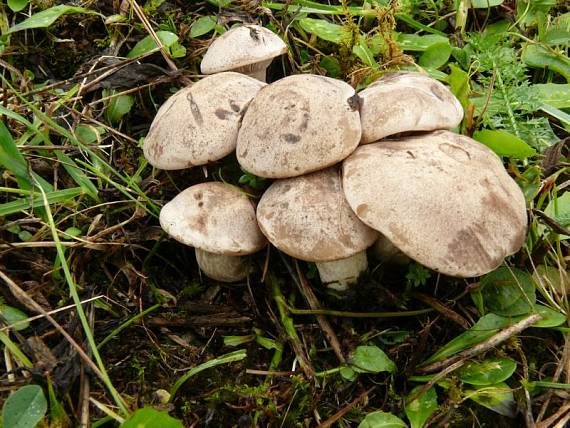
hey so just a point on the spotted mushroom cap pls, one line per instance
(299, 124)
(403, 102)
(213, 217)
(308, 218)
(199, 124)
(443, 199)
(241, 48)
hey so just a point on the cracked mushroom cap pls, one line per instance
(308, 218)
(297, 125)
(403, 102)
(241, 48)
(199, 124)
(443, 199)
(213, 217)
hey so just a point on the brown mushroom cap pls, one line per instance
(443, 199)
(402, 102)
(214, 217)
(199, 124)
(308, 218)
(241, 47)
(297, 125)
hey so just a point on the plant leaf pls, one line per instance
(167, 38)
(203, 25)
(47, 17)
(420, 410)
(436, 55)
(508, 292)
(17, 5)
(488, 372)
(147, 417)
(25, 408)
(413, 42)
(54, 197)
(77, 174)
(118, 107)
(324, 30)
(381, 420)
(499, 398)
(504, 143)
(484, 4)
(540, 57)
(371, 359)
(13, 315)
(554, 94)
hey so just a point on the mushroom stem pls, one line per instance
(256, 70)
(221, 267)
(384, 251)
(341, 274)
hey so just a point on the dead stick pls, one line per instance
(435, 379)
(345, 409)
(483, 346)
(550, 421)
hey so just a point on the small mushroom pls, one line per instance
(219, 221)
(308, 218)
(199, 124)
(297, 125)
(248, 49)
(403, 102)
(443, 199)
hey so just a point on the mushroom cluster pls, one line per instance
(350, 169)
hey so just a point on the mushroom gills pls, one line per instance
(221, 267)
(341, 274)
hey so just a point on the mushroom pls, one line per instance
(199, 124)
(297, 125)
(219, 221)
(308, 218)
(248, 49)
(402, 102)
(443, 199)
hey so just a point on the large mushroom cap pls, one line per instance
(199, 124)
(443, 199)
(402, 102)
(213, 217)
(242, 48)
(299, 124)
(308, 218)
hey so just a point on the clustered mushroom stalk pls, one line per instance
(350, 169)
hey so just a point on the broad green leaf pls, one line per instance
(540, 57)
(54, 197)
(552, 279)
(147, 417)
(371, 359)
(363, 52)
(305, 6)
(17, 5)
(488, 372)
(13, 315)
(554, 94)
(436, 55)
(559, 210)
(550, 317)
(499, 398)
(486, 327)
(24, 408)
(557, 114)
(557, 36)
(324, 30)
(167, 38)
(77, 174)
(484, 4)
(381, 420)
(420, 410)
(459, 82)
(504, 143)
(118, 107)
(331, 64)
(347, 373)
(220, 3)
(88, 134)
(203, 25)
(47, 17)
(508, 292)
(413, 42)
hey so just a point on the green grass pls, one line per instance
(79, 218)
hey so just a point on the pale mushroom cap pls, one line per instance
(443, 199)
(199, 124)
(213, 217)
(308, 218)
(299, 124)
(404, 102)
(240, 47)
